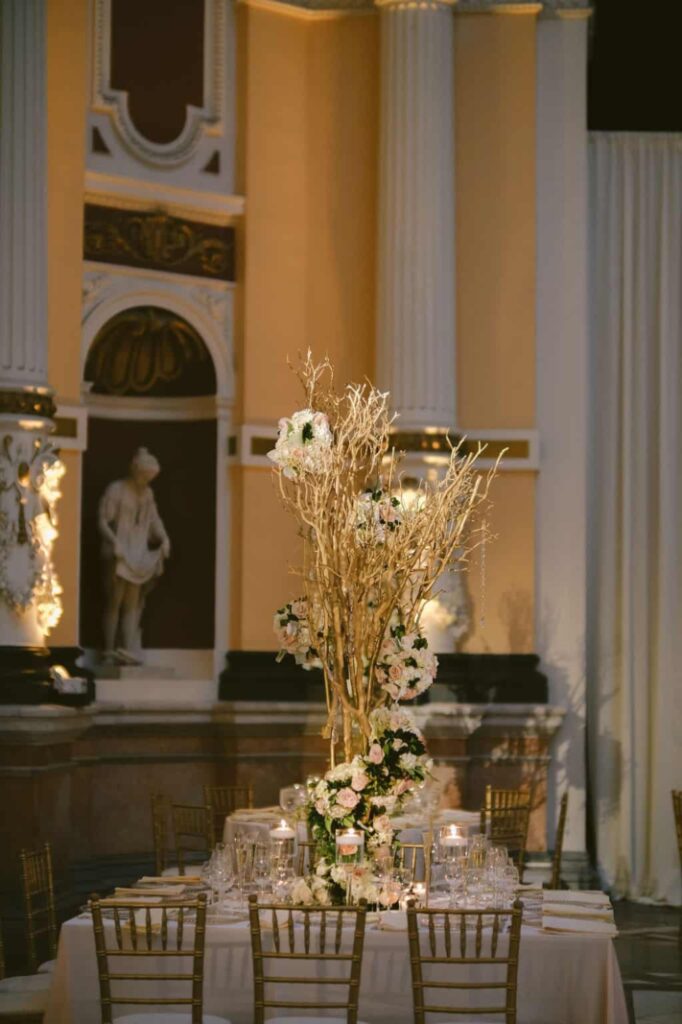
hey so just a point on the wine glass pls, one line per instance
(262, 868)
(455, 871)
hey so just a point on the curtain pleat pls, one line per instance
(634, 640)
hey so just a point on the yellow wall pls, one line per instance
(67, 49)
(495, 189)
(309, 141)
(495, 210)
(501, 589)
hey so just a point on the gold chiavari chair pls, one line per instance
(224, 800)
(467, 939)
(23, 1000)
(313, 938)
(415, 858)
(160, 812)
(193, 833)
(128, 934)
(306, 857)
(505, 819)
(555, 880)
(39, 908)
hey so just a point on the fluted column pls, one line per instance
(29, 468)
(416, 283)
(23, 184)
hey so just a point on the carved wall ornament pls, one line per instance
(157, 240)
(149, 351)
(30, 473)
(29, 402)
(203, 123)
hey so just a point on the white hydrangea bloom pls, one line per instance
(303, 443)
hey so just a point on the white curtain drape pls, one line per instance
(634, 633)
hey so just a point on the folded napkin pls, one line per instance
(588, 897)
(457, 814)
(116, 902)
(393, 921)
(170, 880)
(155, 890)
(577, 912)
(574, 924)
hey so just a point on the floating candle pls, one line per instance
(282, 831)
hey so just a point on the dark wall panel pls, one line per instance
(180, 610)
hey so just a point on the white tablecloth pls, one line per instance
(563, 978)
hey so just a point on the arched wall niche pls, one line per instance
(185, 422)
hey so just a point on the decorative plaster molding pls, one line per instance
(71, 427)
(132, 194)
(200, 121)
(157, 240)
(208, 307)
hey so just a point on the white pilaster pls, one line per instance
(23, 182)
(562, 341)
(416, 284)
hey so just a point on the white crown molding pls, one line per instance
(135, 194)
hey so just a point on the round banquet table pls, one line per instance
(563, 978)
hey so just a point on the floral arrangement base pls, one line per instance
(361, 794)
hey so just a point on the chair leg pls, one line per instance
(630, 1004)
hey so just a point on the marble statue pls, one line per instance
(134, 547)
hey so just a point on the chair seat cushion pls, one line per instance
(48, 967)
(28, 1002)
(310, 1020)
(26, 983)
(168, 1018)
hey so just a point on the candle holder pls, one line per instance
(282, 838)
(453, 842)
(350, 851)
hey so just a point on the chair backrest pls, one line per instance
(194, 833)
(505, 818)
(160, 811)
(415, 858)
(555, 882)
(306, 857)
(224, 800)
(309, 937)
(38, 892)
(677, 811)
(499, 799)
(446, 949)
(150, 936)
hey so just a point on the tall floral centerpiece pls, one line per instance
(373, 548)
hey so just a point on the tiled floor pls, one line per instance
(649, 946)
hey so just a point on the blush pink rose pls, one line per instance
(375, 754)
(359, 781)
(403, 787)
(382, 823)
(347, 797)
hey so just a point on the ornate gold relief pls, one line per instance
(159, 241)
(149, 351)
